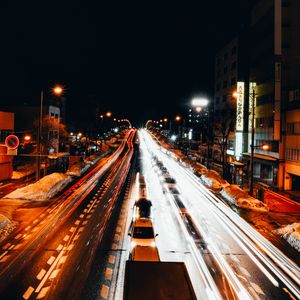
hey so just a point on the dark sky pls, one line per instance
(139, 59)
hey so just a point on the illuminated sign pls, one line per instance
(240, 106)
(252, 100)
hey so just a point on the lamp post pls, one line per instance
(252, 143)
(199, 104)
(56, 90)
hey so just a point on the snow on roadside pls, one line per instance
(6, 227)
(291, 233)
(41, 190)
(22, 171)
(213, 180)
(241, 199)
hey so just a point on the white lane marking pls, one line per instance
(54, 274)
(81, 229)
(85, 210)
(66, 238)
(18, 246)
(111, 259)
(3, 254)
(70, 247)
(245, 272)
(11, 247)
(51, 260)
(72, 229)
(4, 258)
(116, 237)
(49, 271)
(18, 236)
(104, 291)
(41, 274)
(43, 292)
(88, 216)
(76, 237)
(60, 246)
(42, 215)
(6, 246)
(84, 223)
(35, 221)
(34, 229)
(108, 273)
(77, 222)
(81, 216)
(28, 293)
(62, 260)
(251, 289)
(257, 288)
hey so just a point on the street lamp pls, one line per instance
(198, 104)
(56, 90)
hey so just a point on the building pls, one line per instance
(6, 128)
(268, 69)
(224, 104)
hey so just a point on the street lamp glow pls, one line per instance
(27, 138)
(265, 147)
(199, 102)
(165, 120)
(235, 94)
(198, 109)
(58, 90)
(177, 118)
(108, 114)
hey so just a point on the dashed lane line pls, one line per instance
(104, 291)
(43, 292)
(41, 274)
(28, 293)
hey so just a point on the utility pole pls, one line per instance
(252, 144)
(39, 137)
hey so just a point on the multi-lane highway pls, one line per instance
(78, 246)
(51, 257)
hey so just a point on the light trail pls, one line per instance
(258, 249)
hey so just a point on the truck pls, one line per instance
(149, 280)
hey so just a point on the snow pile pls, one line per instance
(291, 233)
(78, 168)
(214, 180)
(22, 171)
(199, 168)
(6, 227)
(241, 199)
(43, 189)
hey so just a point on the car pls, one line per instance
(169, 182)
(142, 208)
(142, 242)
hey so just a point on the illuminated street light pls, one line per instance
(58, 90)
(27, 138)
(177, 118)
(108, 114)
(199, 102)
(165, 120)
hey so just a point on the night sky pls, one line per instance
(138, 59)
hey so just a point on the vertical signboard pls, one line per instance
(239, 119)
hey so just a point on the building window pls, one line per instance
(233, 65)
(293, 128)
(292, 154)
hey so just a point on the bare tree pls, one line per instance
(225, 123)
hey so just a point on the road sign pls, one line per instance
(12, 142)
